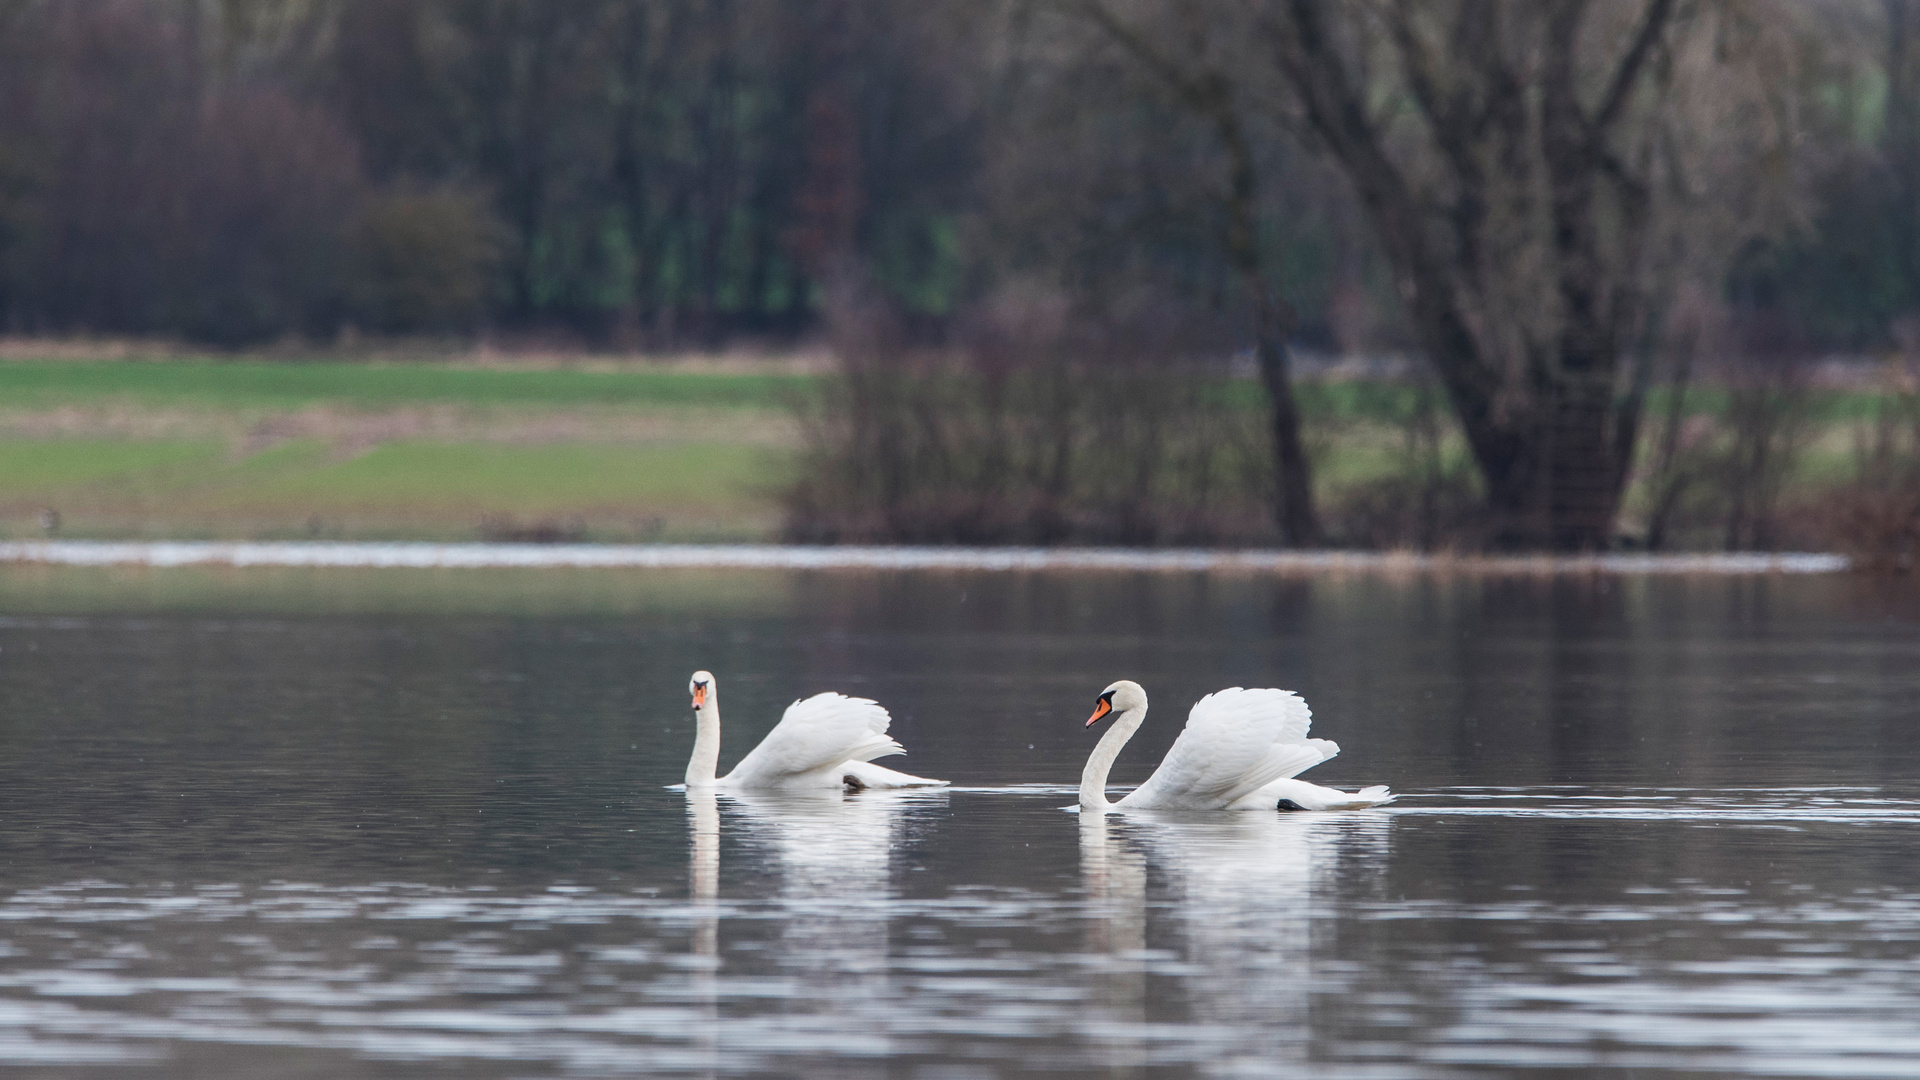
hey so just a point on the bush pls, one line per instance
(1878, 530)
(422, 261)
(938, 450)
(1876, 520)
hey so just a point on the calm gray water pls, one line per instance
(401, 823)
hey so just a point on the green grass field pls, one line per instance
(439, 490)
(282, 385)
(188, 448)
(164, 448)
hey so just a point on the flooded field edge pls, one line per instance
(803, 557)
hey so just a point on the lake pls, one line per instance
(374, 823)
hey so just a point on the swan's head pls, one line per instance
(700, 688)
(1122, 696)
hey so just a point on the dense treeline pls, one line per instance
(675, 170)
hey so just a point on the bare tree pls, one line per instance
(1520, 164)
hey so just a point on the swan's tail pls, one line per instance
(1300, 795)
(1377, 795)
(862, 774)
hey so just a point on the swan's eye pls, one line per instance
(1100, 709)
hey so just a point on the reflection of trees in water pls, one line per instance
(1241, 889)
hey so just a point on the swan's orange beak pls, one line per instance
(699, 696)
(1100, 712)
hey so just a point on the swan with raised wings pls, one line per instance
(827, 741)
(1240, 750)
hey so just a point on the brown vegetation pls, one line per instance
(1876, 519)
(1017, 438)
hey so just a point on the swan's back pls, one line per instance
(816, 734)
(1235, 742)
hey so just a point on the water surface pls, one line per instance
(383, 823)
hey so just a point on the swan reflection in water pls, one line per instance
(826, 846)
(1114, 878)
(703, 946)
(1241, 892)
(829, 856)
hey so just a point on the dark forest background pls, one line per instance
(649, 172)
(667, 173)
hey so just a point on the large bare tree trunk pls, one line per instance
(1547, 425)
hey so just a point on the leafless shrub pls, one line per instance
(1876, 520)
(1406, 512)
(1038, 429)
(1879, 530)
(1429, 502)
(1675, 467)
(1767, 422)
(1729, 434)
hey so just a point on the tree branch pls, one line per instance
(1193, 90)
(1307, 56)
(1443, 115)
(1621, 87)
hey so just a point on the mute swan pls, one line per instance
(1239, 751)
(827, 741)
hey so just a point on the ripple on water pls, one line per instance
(1225, 944)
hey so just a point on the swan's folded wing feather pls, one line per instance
(1235, 741)
(1300, 757)
(817, 733)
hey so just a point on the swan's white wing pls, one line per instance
(815, 735)
(1235, 742)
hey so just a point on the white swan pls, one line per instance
(1240, 751)
(827, 741)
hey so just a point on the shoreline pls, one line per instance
(417, 555)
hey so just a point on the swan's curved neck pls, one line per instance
(1093, 778)
(705, 762)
